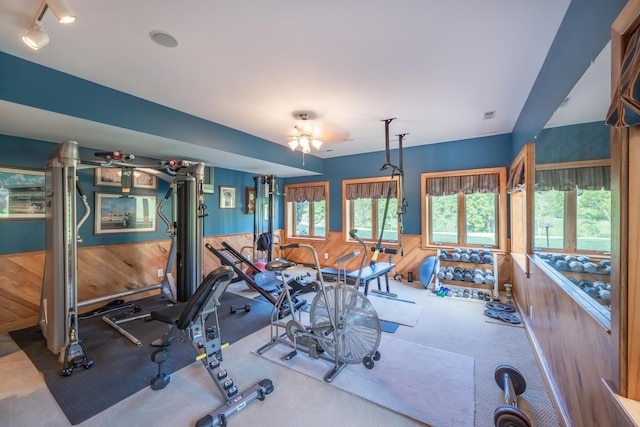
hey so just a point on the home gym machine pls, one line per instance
(266, 189)
(58, 319)
(513, 384)
(190, 317)
(344, 328)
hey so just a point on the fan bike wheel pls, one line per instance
(357, 323)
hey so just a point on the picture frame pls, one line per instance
(207, 183)
(144, 180)
(22, 193)
(115, 214)
(107, 177)
(227, 197)
(250, 200)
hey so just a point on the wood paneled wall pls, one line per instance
(111, 269)
(102, 271)
(414, 255)
(573, 348)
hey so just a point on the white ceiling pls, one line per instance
(436, 65)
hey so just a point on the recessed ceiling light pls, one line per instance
(163, 39)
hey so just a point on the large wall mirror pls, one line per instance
(572, 202)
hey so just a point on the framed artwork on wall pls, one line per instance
(227, 197)
(144, 180)
(107, 177)
(115, 214)
(22, 193)
(250, 200)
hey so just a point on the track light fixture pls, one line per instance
(36, 38)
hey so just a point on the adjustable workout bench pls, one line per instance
(190, 317)
(369, 273)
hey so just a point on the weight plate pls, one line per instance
(491, 305)
(509, 416)
(518, 381)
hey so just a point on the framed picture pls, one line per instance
(207, 186)
(22, 193)
(227, 197)
(144, 180)
(117, 214)
(250, 200)
(107, 177)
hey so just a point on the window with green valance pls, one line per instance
(314, 193)
(465, 184)
(371, 190)
(581, 178)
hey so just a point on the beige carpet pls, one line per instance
(438, 392)
(400, 311)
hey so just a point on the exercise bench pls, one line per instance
(369, 273)
(190, 317)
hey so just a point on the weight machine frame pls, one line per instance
(58, 317)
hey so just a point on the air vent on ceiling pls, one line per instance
(488, 115)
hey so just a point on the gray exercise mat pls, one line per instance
(121, 368)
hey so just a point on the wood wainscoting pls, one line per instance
(112, 269)
(102, 271)
(414, 255)
(573, 348)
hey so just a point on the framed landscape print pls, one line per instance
(22, 193)
(116, 214)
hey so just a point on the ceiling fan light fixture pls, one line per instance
(304, 136)
(35, 38)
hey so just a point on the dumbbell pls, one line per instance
(234, 308)
(162, 379)
(512, 383)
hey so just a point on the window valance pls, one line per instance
(313, 193)
(586, 178)
(371, 190)
(466, 184)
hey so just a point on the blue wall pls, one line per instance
(570, 143)
(583, 33)
(491, 151)
(28, 235)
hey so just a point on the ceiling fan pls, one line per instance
(309, 133)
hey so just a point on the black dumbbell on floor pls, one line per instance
(512, 383)
(235, 308)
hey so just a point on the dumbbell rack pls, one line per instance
(494, 265)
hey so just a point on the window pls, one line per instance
(307, 210)
(573, 207)
(464, 208)
(365, 203)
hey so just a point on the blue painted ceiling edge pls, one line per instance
(27, 83)
(583, 33)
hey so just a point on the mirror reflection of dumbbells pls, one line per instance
(234, 308)
(512, 383)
